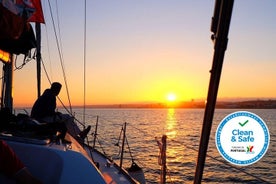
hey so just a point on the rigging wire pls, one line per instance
(59, 45)
(84, 63)
(49, 56)
(46, 73)
(60, 57)
(59, 34)
(45, 70)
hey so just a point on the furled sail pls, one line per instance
(16, 33)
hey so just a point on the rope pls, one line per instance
(27, 58)
(60, 57)
(118, 143)
(70, 113)
(129, 151)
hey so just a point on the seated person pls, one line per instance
(44, 110)
(12, 167)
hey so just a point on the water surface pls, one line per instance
(183, 129)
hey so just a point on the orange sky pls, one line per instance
(142, 51)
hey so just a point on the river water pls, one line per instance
(183, 129)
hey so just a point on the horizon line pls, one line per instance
(224, 99)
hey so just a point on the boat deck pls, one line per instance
(64, 161)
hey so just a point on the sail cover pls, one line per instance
(30, 10)
(16, 33)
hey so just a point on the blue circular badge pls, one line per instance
(242, 138)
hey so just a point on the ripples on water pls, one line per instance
(183, 129)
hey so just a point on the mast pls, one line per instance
(220, 28)
(17, 38)
(7, 83)
(38, 57)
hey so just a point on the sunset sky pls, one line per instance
(141, 51)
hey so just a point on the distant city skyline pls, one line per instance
(247, 104)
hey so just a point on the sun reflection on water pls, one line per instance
(171, 124)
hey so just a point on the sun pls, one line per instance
(171, 97)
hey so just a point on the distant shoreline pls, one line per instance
(252, 104)
(246, 104)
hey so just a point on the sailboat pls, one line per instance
(48, 157)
